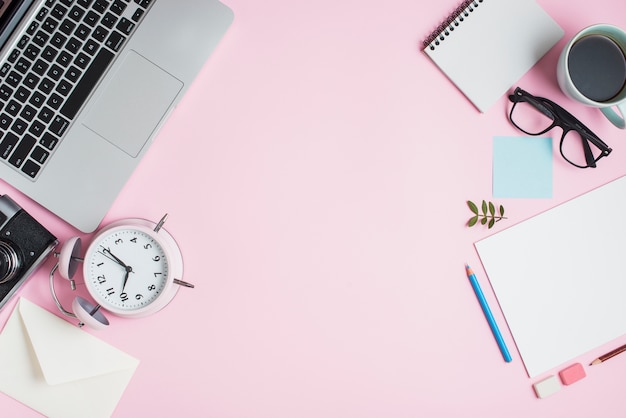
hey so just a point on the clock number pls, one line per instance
(124, 296)
(119, 241)
(110, 291)
(151, 287)
(138, 296)
(156, 258)
(157, 274)
(147, 246)
(134, 240)
(101, 279)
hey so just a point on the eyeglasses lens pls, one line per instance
(573, 149)
(530, 119)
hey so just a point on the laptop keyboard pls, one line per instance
(52, 70)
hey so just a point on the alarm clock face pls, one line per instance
(126, 270)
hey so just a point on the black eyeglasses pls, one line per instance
(537, 115)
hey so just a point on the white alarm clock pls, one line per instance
(132, 268)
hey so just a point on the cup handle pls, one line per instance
(616, 118)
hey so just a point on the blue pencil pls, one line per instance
(492, 322)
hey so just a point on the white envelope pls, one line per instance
(58, 369)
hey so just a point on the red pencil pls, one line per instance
(608, 355)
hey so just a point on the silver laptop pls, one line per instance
(84, 87)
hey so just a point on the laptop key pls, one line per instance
(31, 52)
(76, 13)
(31, 80)
(58, 126)
(125, 26)
(41, 14)
(91, 47)
(49, 141)
(100, 34)
(58, 12)
(82, 60)
(23, 41)
(19, 126)
(54, 101)
(32, 28)
(14, 55)
(55, 72)
(39, 154)
(22, 150)
(118, 7)
(100, 6)
(115, 41)
(73, 74)
(64, 58)
(58, 40)
(13, 79)
(5, 92)
(45, 114)
(37, 128)
(109, 20)
(84, 87)
(82, 32)
(5, 69)
(137, 15)
(41, 38)
(5, 121)
(22, 93)
(67, 26)
(63, 87)
(37, 99)
(49, 25)
(8, 144)
(28, 113)
(31, 168)
(91, 18)
(22, 65)
(40, 67)
(49, 53)
(13, 108)
(143, 3)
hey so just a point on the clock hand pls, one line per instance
(128, 268)
(116, 259)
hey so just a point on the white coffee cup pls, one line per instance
(590, 69)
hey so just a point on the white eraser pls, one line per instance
(547, 386)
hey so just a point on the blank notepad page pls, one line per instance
(484, 47)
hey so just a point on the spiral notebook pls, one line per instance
(486, 46)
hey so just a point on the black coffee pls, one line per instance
(597, 67)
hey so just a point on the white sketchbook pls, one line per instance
(486, 46)
(560, 277)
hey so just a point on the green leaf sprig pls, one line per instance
(487, 215)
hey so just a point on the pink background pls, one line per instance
(316, 176)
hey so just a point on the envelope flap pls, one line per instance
(65, 352)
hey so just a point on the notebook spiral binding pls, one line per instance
(453, 20)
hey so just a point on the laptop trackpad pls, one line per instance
(133, 103)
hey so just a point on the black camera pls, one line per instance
(24, 245)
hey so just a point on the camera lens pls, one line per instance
(9, 262)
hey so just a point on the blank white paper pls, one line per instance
(560, 277)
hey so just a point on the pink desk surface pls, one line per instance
(316, 176)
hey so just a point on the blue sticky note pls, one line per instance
(522, 167)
